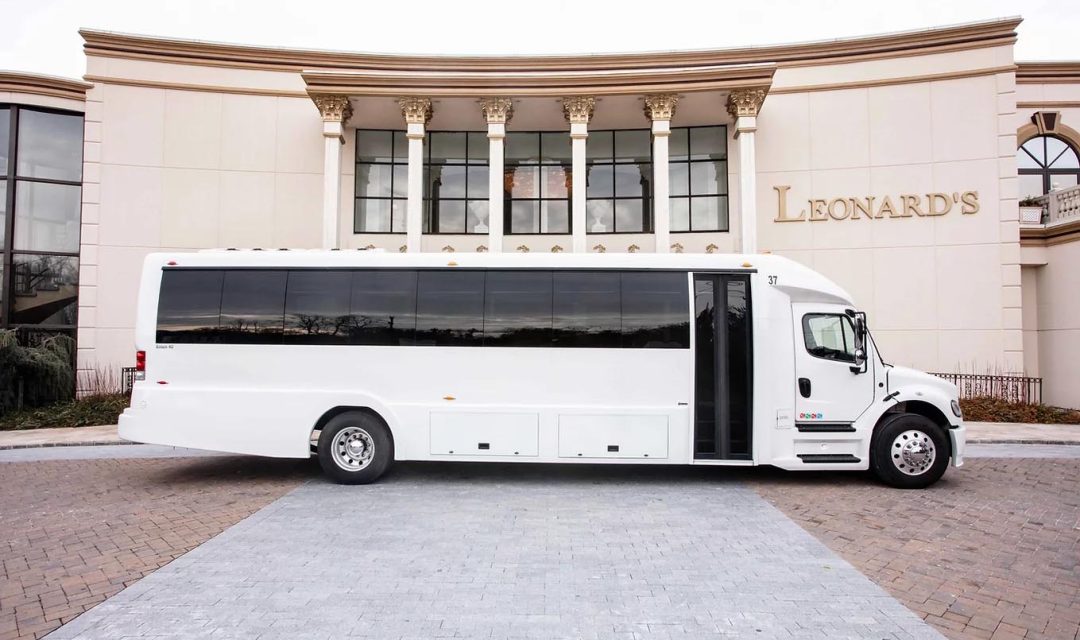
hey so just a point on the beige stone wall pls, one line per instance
(1052, 306)
(1058, 316)
(943, 292)
(184, 169)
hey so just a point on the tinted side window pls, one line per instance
(587, 310)
(450, 308)
(655, 311)
(253, 306)
(317, 307)
(383, 308)
(517, 309)
(189, 305)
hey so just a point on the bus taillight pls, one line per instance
(140, 365)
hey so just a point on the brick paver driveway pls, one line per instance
(75, 532)
(992, 551)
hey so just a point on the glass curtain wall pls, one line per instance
(40, 210)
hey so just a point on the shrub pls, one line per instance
(986, 409)
(84, 412)
(34, 376)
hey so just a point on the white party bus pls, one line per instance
(363, 357)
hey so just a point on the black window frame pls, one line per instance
(393, 163)
(539, 164)
(842, 357)
(431, 202)
(1044, 170)
(723, 199)
(8, 254)
(647, 206)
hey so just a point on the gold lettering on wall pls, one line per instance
(911, 205)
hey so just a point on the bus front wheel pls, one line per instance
(909, 452)
(355, 448)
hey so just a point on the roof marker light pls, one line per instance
(451, 264)
(747, 264)
(171, 263)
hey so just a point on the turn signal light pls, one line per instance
(140, 365)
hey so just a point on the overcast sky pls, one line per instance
(41, 35)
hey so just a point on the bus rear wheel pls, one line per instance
(909, 452)
(355, 448)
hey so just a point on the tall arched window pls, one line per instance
(1045, 162)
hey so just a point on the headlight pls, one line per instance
(956, 408)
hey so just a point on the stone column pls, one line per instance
(578, 111)
(497, 112)
(743, 105)
(417, 112)
(335, 111)
(660, 109)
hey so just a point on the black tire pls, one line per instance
(346, 459)
(909, 451)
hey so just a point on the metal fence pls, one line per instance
(1011, 388)
(127, 377)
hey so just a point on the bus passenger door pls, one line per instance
(723, 367)
(831, 390)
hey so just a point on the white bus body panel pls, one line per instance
(525, 404)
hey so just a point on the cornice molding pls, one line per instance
(1051, 235)
(964, 36)
(42, 85)
(630, 82)
(1048, 72)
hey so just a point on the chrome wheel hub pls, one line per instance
(353, 449)
(913, 452)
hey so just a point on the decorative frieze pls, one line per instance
(497, 110)
(578, 109)
(600, 248)
(333, 108)
(660, 106)
(557, 249)
(711, 248)
(677, 248)
(523, 248)
(743, 103)
(482, 248)
(416, 110)
(448, 249)
(633, 248)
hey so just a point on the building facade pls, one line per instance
(894, 164)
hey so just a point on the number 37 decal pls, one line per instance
(773, 279)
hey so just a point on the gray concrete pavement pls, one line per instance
(509, 552)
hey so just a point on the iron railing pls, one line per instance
(1022, 389)
(127, 377)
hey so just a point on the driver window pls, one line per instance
(829, 336)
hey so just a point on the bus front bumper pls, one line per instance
(958, 440)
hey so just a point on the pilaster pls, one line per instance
(417, 113)
(660, 109)
(578, 111)
(335, 111)
(743, 105)
(497, 113)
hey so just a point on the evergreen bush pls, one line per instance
(35, 375)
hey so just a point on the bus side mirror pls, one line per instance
(860, 343)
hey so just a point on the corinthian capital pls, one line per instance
(578, 109)
(745, 102)
(416, 110)
(660, 106)
(497, 110)
(333, 108)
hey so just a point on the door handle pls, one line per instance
(804, 387)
